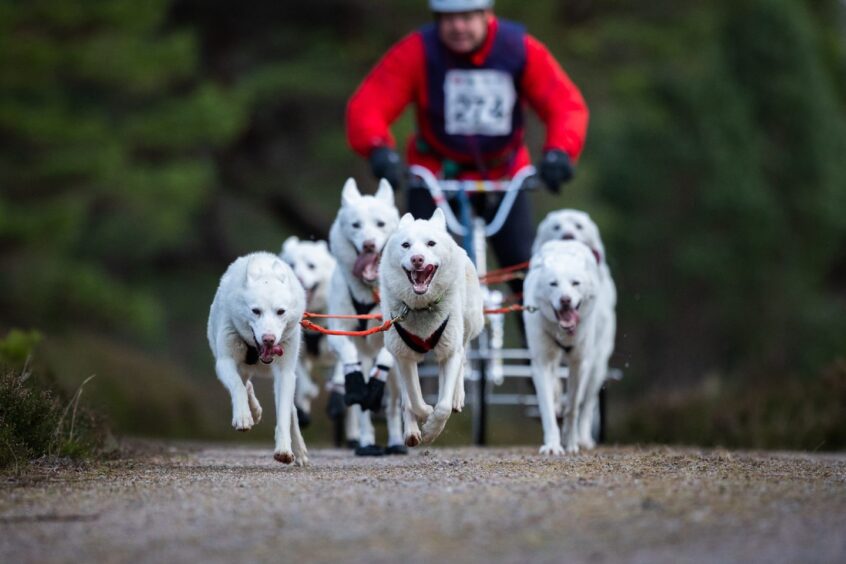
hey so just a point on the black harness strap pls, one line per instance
(362, 309)
(252, 356)
(418, 344)
(565, 348)
(312, 342)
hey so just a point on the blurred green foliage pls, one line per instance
(145, 145)
(34, 422)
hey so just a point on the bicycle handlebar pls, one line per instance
(439, 188)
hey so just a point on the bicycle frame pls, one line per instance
(440, 188)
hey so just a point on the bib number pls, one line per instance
(478, 102)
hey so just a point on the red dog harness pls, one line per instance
(418, 344)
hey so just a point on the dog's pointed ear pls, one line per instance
(439, 219)
(350, 192)
(406, 220)
(322, 245)
(385, 192)
(255, 268)
(289, 244)
(279, 270)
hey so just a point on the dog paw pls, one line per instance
(572, 448)
(242, 420)
(256, 411)
(587, 443)
(412, 439)
(300, 461)
(435, 424)
(285, 457)
(552, 449)
(458, 401)
(424, 412)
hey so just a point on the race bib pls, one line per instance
(478, 102)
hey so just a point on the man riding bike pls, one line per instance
(469, 75)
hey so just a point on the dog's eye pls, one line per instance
(554, 283)
(280, 312)
(556, 227)
(356, 225)
(310, 266)
(579, 226)
(257, 311)
(406, 245)
(575, 282)
(380, 224)
(431, 244)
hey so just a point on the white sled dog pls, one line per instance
(254, 319)
(563, 284)
(428, 280)
(356, 240)
(313, 265)
(571, 224)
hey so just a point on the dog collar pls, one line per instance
(428, 307)
(418, 344)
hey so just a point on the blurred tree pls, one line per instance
(109, 133)
(728, 194)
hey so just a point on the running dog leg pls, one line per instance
(412, 429)
(227, 372)
(354, 384)
(408, 371)
(458, 398)
(255, 407)
(451, 369)
(576, 382)
(284, 381)
(298, 443)
(544, 374)
(393, 415)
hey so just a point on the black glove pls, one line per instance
(555, 168)
(385, 163)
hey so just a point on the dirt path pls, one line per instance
(219, 503)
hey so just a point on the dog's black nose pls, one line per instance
(568, 236)
(368, 246)
(417, 261)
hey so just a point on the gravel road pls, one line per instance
(212, 503)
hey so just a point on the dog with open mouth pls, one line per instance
(313, 266)
(431, 284)
(254, 330)
(356, 240)
(576, 225)
(563, 284)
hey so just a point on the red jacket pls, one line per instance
(400, 78)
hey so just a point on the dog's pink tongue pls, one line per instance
(568, 319)
(366, 267)
(266, 353)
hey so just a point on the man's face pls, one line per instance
(463, 32)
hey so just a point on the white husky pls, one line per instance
(571, 224)
(254, 319)
(356, 239)
(430, 281)
(563, 284)
(313, 265)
